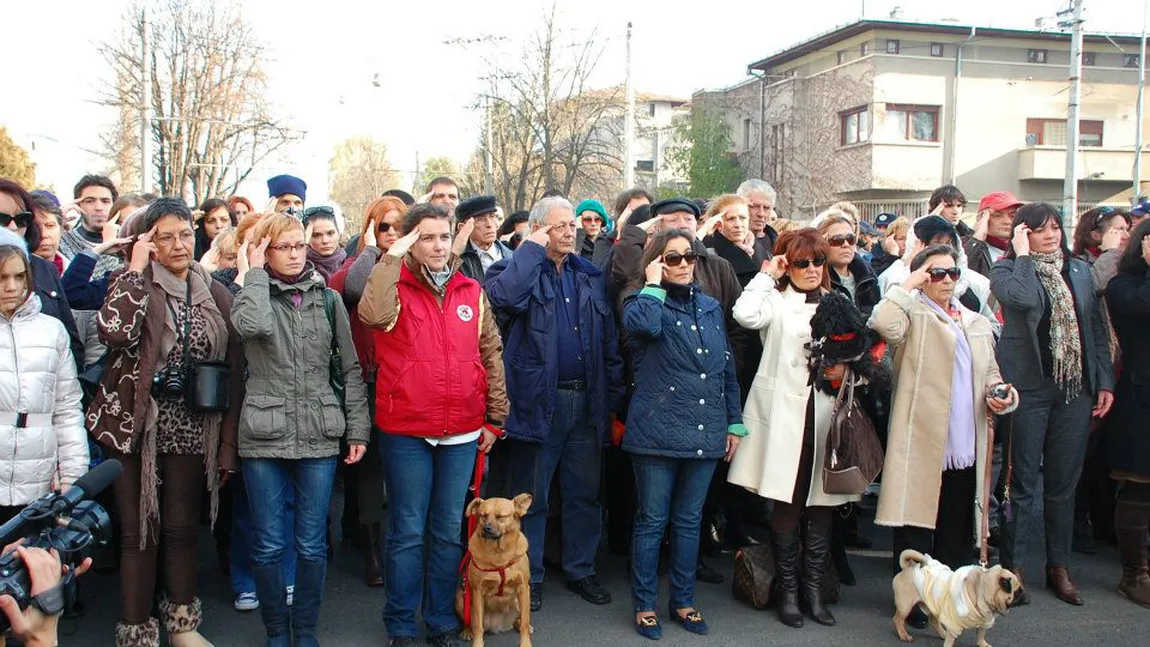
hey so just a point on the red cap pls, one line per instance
(999, 201)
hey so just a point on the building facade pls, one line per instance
(881, 112)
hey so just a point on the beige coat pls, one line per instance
(767, 462)
(924, 345)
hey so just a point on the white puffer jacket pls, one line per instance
(38, 379)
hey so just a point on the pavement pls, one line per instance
(351, 612)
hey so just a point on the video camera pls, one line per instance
(69, 522)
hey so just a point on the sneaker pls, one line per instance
(290, 595)
(247, 601)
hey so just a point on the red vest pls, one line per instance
(431, 379)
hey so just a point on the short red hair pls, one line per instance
(803, 244)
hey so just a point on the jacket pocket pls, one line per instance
(334, 423)
(264, 417)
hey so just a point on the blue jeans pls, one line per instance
(571, 446)
(243, 580)
(426, 488)
(669, 489)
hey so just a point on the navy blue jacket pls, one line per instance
(523, 291)
(686, 392)
(83, 292)
(54, 303)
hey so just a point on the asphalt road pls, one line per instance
(351, 613)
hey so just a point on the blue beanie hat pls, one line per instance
(598, 208)
(41, 193)
(285, 185)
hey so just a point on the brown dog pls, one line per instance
(499, 572)
(970, 598)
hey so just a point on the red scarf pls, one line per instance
(997, 243)
(58, 261)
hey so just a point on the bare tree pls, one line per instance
(360, 172)
(211, 124)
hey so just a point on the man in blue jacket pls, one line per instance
(565, 381)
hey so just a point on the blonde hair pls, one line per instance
(901, 225)
(722, 203)
(847, 207)
(785, 224)
(227, 241)
(247, 224)
(275, 226)
(834, 216)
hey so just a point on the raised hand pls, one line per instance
(464, 235)
(109, 245)
(370, 239)
(142, 251)
(622, 221)
(242, 265)
(918, 278)
(981, 227)
(890, 245)
(648, 225)
(655, 271)
(400, 247)
(776, 267)
(1021, 240)
(541, 236)
(111, 229)
(712, 223)
(1113, 239)
(257, 255)
(210, 261)
(1146, 249)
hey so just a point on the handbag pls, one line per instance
(854, 456)
(754, 575)
(335, 360)
(207, 387)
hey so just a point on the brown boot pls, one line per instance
(1058, 580)
(373, 567)
(143, 635)
(182, 622)
(1131, 522)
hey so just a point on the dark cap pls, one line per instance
(672, 205)
(884, 219)
(868, 229)
(480, 205)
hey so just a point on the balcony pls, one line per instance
(1098, 164)
(906, 166)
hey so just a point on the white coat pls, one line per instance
(767, 462)
(38, 379)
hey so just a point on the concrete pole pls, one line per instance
(145, 102)
(1070, 188)
(1138, 124)
(629, 126)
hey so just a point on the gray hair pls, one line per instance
(544, 207)
(757, 186)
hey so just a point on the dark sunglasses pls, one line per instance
(675, 259)
(22, 219)
(312, 212)
(937, 274)
(807, 262)
(842, 240)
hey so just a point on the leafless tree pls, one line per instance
(360, 172)
(211, 123)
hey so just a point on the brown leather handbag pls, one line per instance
(754, 574)
(853, 457)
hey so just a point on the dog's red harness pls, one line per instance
(502, 570)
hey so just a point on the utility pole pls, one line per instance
(1070, 188)
(145, 101)
(1138, 124)
(488, 178)
(629, 127)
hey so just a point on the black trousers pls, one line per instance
(951, 540)
(511, 468)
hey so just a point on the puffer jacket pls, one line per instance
(38, 379)
(685, 384)
(290, 410)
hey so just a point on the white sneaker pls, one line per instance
(290, 595)
(247, 601)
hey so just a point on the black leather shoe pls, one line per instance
(447, 639)
(590, 590)
(704, 573)
(536, 597)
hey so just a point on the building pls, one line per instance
(658, 118)
(880, 112)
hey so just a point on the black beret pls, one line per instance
(401, 194)
(672, 205)
(640, 215)
(480, 205)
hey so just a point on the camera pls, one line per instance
(1000, 391)
(169, 383)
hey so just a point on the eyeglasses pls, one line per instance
(937, 274)
(22, 219)
(675, 259)
(589, 218)
(807, 262)
(187, 238)
(384, 227)
(842, 240)
(285, 247)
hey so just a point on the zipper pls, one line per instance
(447, 360)
(16, 431)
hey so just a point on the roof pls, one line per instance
(851, 30)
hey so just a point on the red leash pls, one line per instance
(472, 522)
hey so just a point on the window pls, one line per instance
(842, 57)
(1130, 60)
(1052, 132)
(891, 46)
(645, 166)
(1035, 56)
(864, 49)
(936, 49)
(911, 123)
(746, 134)
(651, 109)
(855, 126)
(1088, 58)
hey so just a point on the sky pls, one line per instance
(323, 56)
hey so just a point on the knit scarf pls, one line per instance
(997, 243)
(1065, 340)
(326, 265)
(217, 331)
(960, 435)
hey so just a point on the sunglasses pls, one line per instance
(807, 262)
(842, 240)
(312, 212)
(384, 227)
(22, 219)
(937, 274)
(675, 259)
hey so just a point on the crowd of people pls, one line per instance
(648, 372)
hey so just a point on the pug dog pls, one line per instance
(970, 598)
(498, 571)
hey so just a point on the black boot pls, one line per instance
(787, 575)
(373, 556)
(814, 566)
(309, 577)
(839, 531)
(270, 588)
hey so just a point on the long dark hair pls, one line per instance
(21, 195)
(1094, 220)
(1035, 215)
(1132, 261)
(655, 249)
(203, 243)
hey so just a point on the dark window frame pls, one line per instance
(1130, 61)
(896, 46)
(910, 109)
(1037, 56)
(861, 136)
(1089, 59)
(1035, 128)
(940, 48)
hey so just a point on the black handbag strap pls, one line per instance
(186, 343)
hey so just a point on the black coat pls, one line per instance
(1127, 440)
(53, 301)
(867, 293)
(746, 267)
